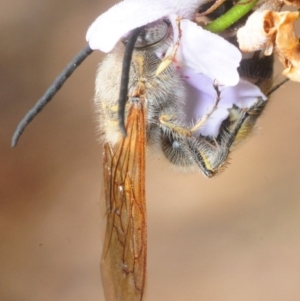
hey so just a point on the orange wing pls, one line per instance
(123, 265)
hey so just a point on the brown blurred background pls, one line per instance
(232, 238)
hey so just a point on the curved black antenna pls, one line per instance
(277, 86)
(52, 90)
(125, 77)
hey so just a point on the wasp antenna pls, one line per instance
(51, 91)
(125, 77)
(275, 88)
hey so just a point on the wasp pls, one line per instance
(155, 117)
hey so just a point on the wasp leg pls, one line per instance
(169, 59)
(208, 153)
(169, 122)
(200, 123)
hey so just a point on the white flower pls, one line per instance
(203, 58)
(200, 49)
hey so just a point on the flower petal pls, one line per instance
(202, 95)
(258, 32)
(207, 53)
(244, 95)
(120, 19)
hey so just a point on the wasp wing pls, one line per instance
(123, 265)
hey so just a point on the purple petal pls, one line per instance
(120, 19)
(244, 94)
(207, 53)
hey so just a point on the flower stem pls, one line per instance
(232, 16)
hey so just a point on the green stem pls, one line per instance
(232, 16)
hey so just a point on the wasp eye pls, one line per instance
(152, 34)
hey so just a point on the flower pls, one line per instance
(123, 17)
(202, 57)
(200, 49)
(274, 32)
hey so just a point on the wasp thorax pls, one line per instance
(152, 34)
